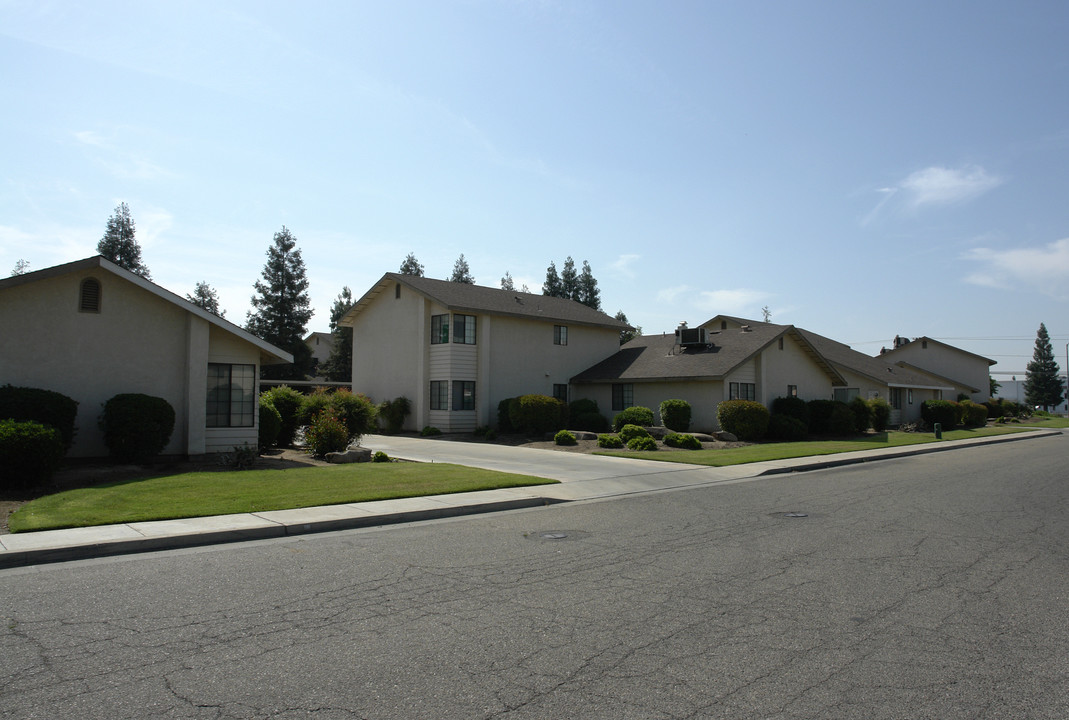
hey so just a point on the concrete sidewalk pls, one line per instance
(581, 476)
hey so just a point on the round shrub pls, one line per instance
(313, 405)
(610, 441)
(636, 415)
(881, 413)
(563, 437)
(675, 415)
(430, 431)
(44, 406)
(380, 456)
(356, 411)
(591, 422)
(842, 421)
(786, 429)
(791, 406)
(862, 414)
(642, 443)
(682, 441)
(288, 403)
(394, 412)
(973, 414)
(504, 423)
(270, 425)
(745, 419)
(137, 427)
(29, 453)
(538, 414)
(581, 406)
(326, 433)
(630, 432)
(820, 416)
(944, 412)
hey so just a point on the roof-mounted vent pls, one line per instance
(746, 328)
(687, 337)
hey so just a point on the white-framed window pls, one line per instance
(463, 395)
(623, 396)
(464, 329)
(845, 394)
(439, 395)
(560, 391)
(439, 329)
(560, 334)
(742, 391)
(792, 391)
(231, 395)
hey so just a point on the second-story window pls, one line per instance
(439, 329)
(560, 334)
(464, 329)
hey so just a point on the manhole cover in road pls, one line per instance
(555, 535)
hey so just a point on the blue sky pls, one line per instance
(861, 169)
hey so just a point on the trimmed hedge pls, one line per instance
(584, 414)
(973, 414)
(356, 411)
(610, 441)
(288, 403)
(43, 406)
(944, 412)
(881, 413)
(270, 425)
(636, 415)
(642, 443)
(504, 422)
(786, 429)
(675, 415)
(29, 453)
(830, 417)
(563, 437)
(630, 432)
(794, 407)
(136, 426)
(745, 419)
(682, 441)
(538, 414)
(862, 414)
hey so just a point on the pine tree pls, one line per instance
(461, 273)
(21, 267)
(411, 266)
(569, 280)
(282, 308)
(587, 292)
(1042, 386)
(339, 366)
(627, 335)
(552, 286)
(119, 244)
(506, 282)
(205, 296)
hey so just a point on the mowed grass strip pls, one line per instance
(224, 493)
(764, 452)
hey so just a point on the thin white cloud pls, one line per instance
(733, 302)
(623, 264)
(669, 295)
(947, 186)
(1045, 269)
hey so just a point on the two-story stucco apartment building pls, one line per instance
(456, 350)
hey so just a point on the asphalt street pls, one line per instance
(930, 586)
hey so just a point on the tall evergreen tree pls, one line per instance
(569, 280)
(204, 296)
(552, 286)
(1042, 386)
(119, 244)
(461, 272)
(411, 266)
(282, 308)
(587, 288)
(21, 267)
(339, 366)
(507, 283)
(627, 335)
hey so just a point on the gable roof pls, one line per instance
(268, 351)
(883, 372)
(475, 299)
(652, 358)
(924, 338)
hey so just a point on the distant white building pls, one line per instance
(1013, 389)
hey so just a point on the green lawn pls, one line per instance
(780, 451)
(223, 493)
(1046, 422)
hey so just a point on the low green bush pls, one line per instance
(786, 428)
(563, 437)
(636, 415)
(583, 414)
(29, 453)
(242, 457)
(881, 413)
(270, 425)
(538, 414)
(675, 415)
(842, 422)
(504, 423)
(862, 414)
(327, 433)
(682, 441)
(745, 419)
(44, 406)
(945, 412)
(630, 432)
(973, 414)
(792, 406)
(288, 403)
(642, 443)
(313, 405)
(430, 431)
(394, 412)
(136, 426)
(611, 442)
(380, 457)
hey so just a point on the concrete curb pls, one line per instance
(51, 546)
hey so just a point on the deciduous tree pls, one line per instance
(282, 307)
(119, 244)
(21, 267)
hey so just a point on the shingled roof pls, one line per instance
(893, 374)
(652, 358)
(475, 299)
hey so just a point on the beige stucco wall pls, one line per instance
(790, 366)
(137, 343)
